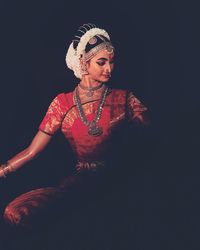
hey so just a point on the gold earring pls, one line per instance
(84, 69)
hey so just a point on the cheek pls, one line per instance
(97, 69)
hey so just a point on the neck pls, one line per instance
(90, 89)
(89, 83)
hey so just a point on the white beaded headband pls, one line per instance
(73, 55)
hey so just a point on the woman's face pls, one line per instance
(100, 67)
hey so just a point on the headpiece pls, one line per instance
(89, 34)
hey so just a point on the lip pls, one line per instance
(107, 76)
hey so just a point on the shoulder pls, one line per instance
(136, 109)
(118, 95)
(64, 99)
(61, 103)
(118, 91)
(124, 93)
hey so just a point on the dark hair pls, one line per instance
(98, 39)
(94, 41)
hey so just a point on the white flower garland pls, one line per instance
(73, 56)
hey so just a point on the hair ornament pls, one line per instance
(81, 31)
(74, 55)
(87, 25)
(93, 25)
(93, 40)
(83, 27)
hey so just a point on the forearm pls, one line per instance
(20, 159)
(38, 144)
(16, 162)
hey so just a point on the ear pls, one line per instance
(81, 61)
(87, 64)
(84, 67)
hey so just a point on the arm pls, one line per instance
(49, 125)
(38, 144)
(137, 111)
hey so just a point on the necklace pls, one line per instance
(90, 90)
(94, 129)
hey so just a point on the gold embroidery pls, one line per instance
(54, 107)
(52, 125)
(53, 117)
(72, 115)
(116, 119)
(135, 107)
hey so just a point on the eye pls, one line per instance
(101, 63)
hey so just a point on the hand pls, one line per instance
(4, 170)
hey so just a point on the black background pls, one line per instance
(157, 45)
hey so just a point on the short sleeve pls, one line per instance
(54, 116)
(137, 112)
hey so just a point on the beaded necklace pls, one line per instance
(94, 129)
(90, 90)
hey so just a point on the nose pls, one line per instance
(108, 68)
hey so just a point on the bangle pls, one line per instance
(6, 169)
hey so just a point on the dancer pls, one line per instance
(88, 117)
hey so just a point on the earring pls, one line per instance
(84, 69)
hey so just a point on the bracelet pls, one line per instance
(6, 169)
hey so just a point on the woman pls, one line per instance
(88, 117)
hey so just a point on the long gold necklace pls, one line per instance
(94, 129)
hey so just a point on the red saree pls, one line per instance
(120, 106)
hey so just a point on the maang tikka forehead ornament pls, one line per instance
(89, 32)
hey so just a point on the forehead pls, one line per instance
(103, 54)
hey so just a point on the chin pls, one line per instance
(106, 79)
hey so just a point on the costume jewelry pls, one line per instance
(73, 55)
(94, 129)
(90, 90)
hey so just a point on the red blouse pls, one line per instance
(63, 114)
(119, 106)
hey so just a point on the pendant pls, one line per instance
(94, 130)
(89, 93)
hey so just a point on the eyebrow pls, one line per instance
(104, 59)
